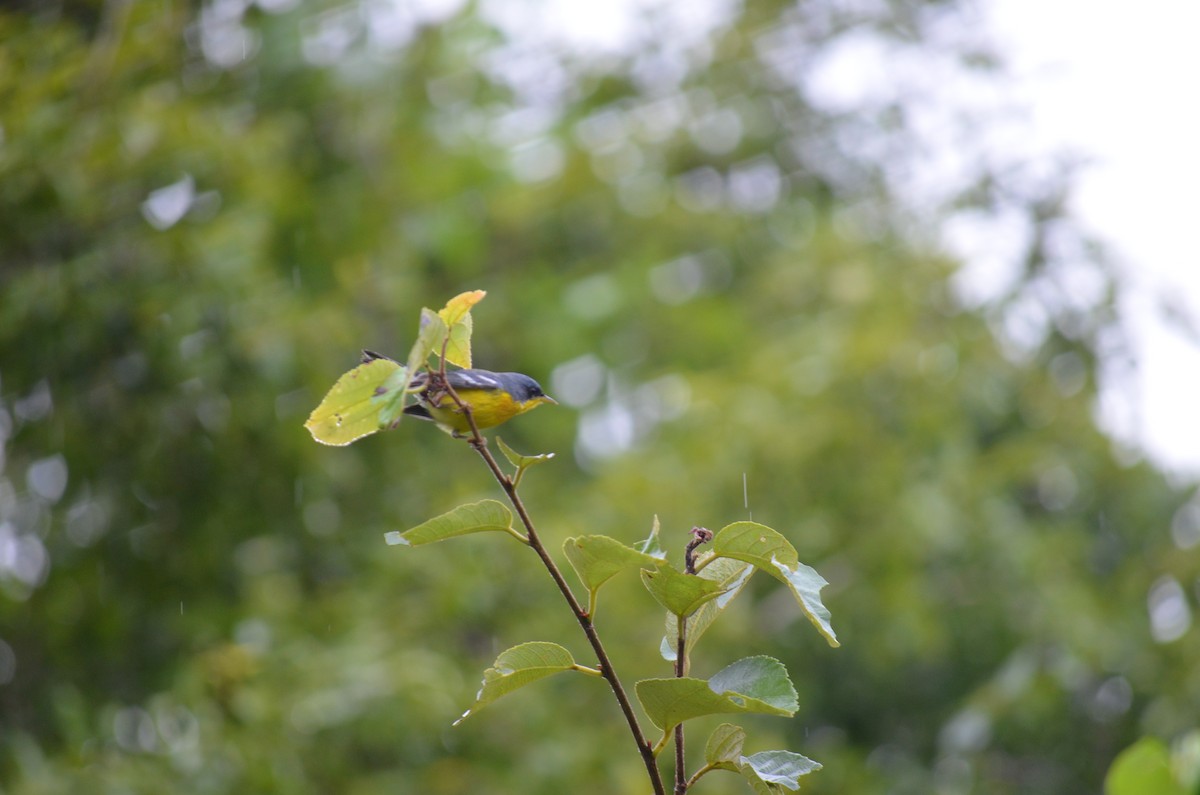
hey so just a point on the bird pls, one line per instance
(494, 398)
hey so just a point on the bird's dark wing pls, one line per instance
(474, 379)
(418, 411)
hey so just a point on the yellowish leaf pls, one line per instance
(349, 410)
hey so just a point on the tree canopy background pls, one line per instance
(735, 290)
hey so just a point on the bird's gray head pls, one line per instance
(523, 388)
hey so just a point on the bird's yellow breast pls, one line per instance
(489, 407)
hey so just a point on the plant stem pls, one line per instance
(681, 783)
(699, 773)
(662, 742)
(585, 620)
(700, 535)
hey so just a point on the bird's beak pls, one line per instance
(548, 399)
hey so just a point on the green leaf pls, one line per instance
(761, 677)
(457, 317)
(475, 517)
(756, 544)
(596, 559)
(458, 347)
(724, 747)
(772, 772)
(806, 586)
(430, 336)
(1143, 768)
(769, 772)
(521, 462)
(390, 398)
(732, 576)
(351, 409)
(371, 397)
(517, 667)
(681, 594)
(754, 684)
(766, 549)
(651, 545)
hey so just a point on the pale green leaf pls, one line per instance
(651, 545)
(475, 517)
(731, 576)
(390, 397)
(351, 410)
(724, 747)
(755, 684)
(756, 544)
(679, 593)
(766, 549)
(430, 336)
(761, 677)
(596, 559)
(458, 345)
(521, 462)
(457, 317)
(771, 772)
(517, 667)
(806, 586)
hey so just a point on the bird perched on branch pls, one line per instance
(493, 398)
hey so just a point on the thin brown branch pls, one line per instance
(700, 535)
(681, 783)
(477, 442)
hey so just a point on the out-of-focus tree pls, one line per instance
(730, 279)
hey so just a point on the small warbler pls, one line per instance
(494, 398)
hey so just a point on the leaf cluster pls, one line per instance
(372, 396)
(751, 685)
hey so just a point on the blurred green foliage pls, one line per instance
(207, 208)
(1149, 767)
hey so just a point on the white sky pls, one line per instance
(1119, 83)
(1110, 81)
